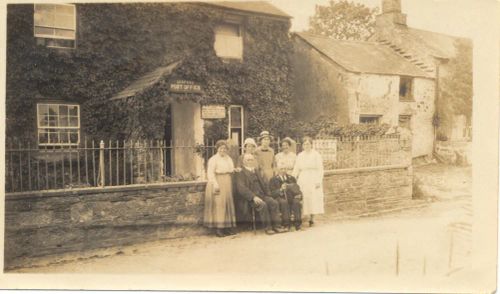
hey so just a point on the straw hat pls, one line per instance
(265, 134)
(249, 141)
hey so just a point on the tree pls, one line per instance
(343, 20)
(456, 87)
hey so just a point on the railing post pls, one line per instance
(101, 164)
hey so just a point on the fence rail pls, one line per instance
(114, 163)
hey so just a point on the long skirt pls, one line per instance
(219, 207)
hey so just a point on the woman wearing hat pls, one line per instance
(308, 171)
(219, 204)
(265, 156)
(249, 146)
(286, 158)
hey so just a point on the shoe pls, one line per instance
(220, 233)
(231, 232)
(270, 232)
(297, 227)
(311, 223)
(279, 230)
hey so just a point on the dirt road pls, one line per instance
(425, 240)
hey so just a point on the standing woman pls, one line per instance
(219, 205)
(286, 158)
(308, 171)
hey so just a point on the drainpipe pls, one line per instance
(436, 100)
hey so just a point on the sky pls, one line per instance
(453, 17)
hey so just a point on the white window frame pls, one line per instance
(229, 127)
(44, 36)
(40, 127)
(240, 37)
(376, 116)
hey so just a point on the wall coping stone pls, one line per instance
(365, 169)
(93, 190)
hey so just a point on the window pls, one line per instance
(405, 121)
(228, 41)
(406, 89)
(236, 122)
(369, 119)
(58, 124)
(55, 25)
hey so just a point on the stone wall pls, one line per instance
(57, 222)
(367, 190)
(46, 223)
(320, 82)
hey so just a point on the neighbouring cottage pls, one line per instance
(363, 82)
(185, 73)
(432, 52)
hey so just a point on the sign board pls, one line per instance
(327, 149)
(184, 86)
(213, 111)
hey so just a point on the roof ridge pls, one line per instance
(438, 33)
(338, 40)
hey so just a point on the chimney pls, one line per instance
(391, 13)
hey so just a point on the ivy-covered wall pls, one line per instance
(117, 43)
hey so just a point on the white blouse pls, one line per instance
(219, 165)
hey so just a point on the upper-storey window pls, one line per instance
(229, 41)
(405, 89)
(55, 25)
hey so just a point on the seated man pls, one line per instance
(285, 190)
(252, 191)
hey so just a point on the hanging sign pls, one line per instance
(184, 86)
(213, 111)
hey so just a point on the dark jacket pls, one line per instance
(248, 185)
(292, 189)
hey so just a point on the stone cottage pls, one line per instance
(429, 51)
(185, 73)
(363, 82)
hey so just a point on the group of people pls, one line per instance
(277, 190)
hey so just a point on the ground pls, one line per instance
(430, 240)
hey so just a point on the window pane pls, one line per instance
(43, 120)
(53, 137)
(63, 121)
(43, 109)
(53, 110)
(61, 43)
(44, 15)
(63, 137)
(53, 121)
(64, 21)
(63, 109)
(73, 121)
(73, 138)
(65, 33)
(43, 137)
(65, 9)
(40, 31)
(228, 46)
(73, 110)
(235, 117)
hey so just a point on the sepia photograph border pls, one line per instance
(486, 68)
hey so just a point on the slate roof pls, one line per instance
(261, 7)
(146, 81)
(363, 56)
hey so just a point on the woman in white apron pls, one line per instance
(308, 171)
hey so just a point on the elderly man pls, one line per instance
(253, 192)
(287, 193)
